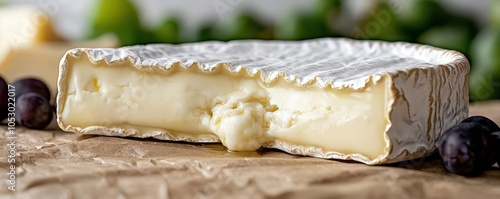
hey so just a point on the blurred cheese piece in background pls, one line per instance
(41, 60)
(30, 47)
(22, 26)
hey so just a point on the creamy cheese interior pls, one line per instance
(242, 111)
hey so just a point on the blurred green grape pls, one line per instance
(242, 26)
(168, 31)
(119, 17)
(484, 80)
(419, 15)
(300, 25)
(456, 35)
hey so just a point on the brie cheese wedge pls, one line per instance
(369, 101)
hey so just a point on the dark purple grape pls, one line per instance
(33, 111)
(3, 99)
(496, 140)
(467, 149)
(26, 85)
(492, 126)
(55, 103)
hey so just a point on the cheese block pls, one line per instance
(368, 101)
(41, 59)
(22, 26)
(30, 46)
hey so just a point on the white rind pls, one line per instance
(429, 85)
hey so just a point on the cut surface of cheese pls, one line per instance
(373, 102)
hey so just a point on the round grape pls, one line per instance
(466, 149)
(26, 85)
(33, 111)
(496, 140)
(492, 126)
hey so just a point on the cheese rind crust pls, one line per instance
(411, 92)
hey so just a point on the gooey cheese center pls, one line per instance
(242, 111)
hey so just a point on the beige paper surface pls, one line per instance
(54, 164)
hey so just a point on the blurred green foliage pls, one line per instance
(205, 32)
(484, 81)
(421, 21)
(484, 78)
(456, 34)
(495, 13)
(119, 17)
(329, 12)
(242, 26)
(168, 31)
(420, 15)
(299, 25)
(325, 9)
(380, 24)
